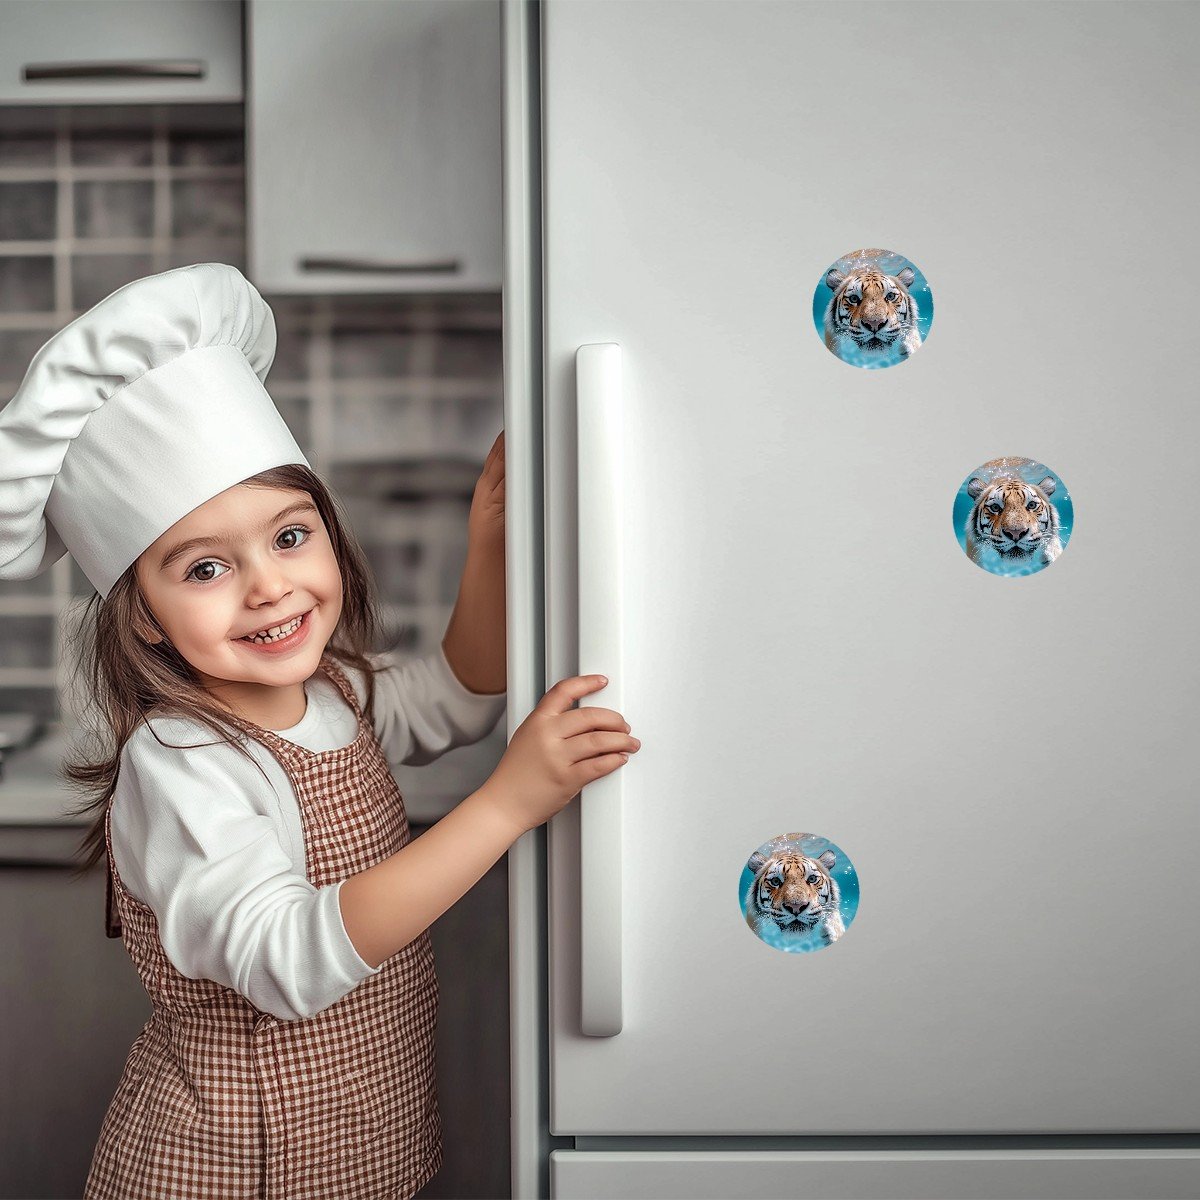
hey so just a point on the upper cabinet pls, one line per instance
(120, 52)
(373, 133)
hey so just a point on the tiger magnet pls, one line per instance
(873, 308)
(799, 892)
(1013, 516)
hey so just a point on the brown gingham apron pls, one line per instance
(221, 1100)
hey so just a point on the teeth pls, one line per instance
(275, 632)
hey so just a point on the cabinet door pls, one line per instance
(120, 52)
(373, 145)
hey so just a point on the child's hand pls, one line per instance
(485, 524)
(556, 750)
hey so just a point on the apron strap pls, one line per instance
(112, 921)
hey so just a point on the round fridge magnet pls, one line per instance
(1013, 516)
(799, 892)
(873, 308)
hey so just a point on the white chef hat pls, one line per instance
(134, 414)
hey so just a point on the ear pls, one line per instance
(827, 860)
(756, 861)
(975, 487)
(834, 279)
(150, 636)
(906, 276)
(1048, 485)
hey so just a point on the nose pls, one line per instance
(795, 907)
(874, 324)
(1015, 535)
(268, 582)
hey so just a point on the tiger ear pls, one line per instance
(827, 860)
(756, 861)
(834, 278)
(1048, 485)
(906, 276)
(975, 487)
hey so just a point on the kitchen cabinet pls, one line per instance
(120, 52)
(373, 135)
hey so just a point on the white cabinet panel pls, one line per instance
(373, 145)
(876, 1175)
(185, 50)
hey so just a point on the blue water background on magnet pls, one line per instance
(889, 264)
(842, 872)
(1033, 472)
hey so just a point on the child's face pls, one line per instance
(263, 568)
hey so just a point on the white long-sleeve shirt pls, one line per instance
(218, 854)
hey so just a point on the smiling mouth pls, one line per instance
(300, 617)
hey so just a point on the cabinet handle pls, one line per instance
(363, 265)
(600, 442)
(176, 68)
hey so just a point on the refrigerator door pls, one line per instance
(803, 643)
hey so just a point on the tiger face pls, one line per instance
(796, 894)
(871, 313)
(1013, 518)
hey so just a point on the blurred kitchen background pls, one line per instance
(345, 156)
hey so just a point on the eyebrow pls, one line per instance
(197, 543)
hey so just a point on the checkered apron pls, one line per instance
(219, 1099)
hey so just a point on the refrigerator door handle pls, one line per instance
(599, 472)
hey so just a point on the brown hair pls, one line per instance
(129, 679)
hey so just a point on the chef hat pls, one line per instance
(134, 414)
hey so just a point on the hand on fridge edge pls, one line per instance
(485, 524)
(475, 641)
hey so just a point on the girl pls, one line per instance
(259, 855)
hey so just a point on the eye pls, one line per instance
(204, 562)
(891, 297)
(995, 505)
(294, 529)
(207, 562)
(1032, 504)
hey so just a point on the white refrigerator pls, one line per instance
(852, 412)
